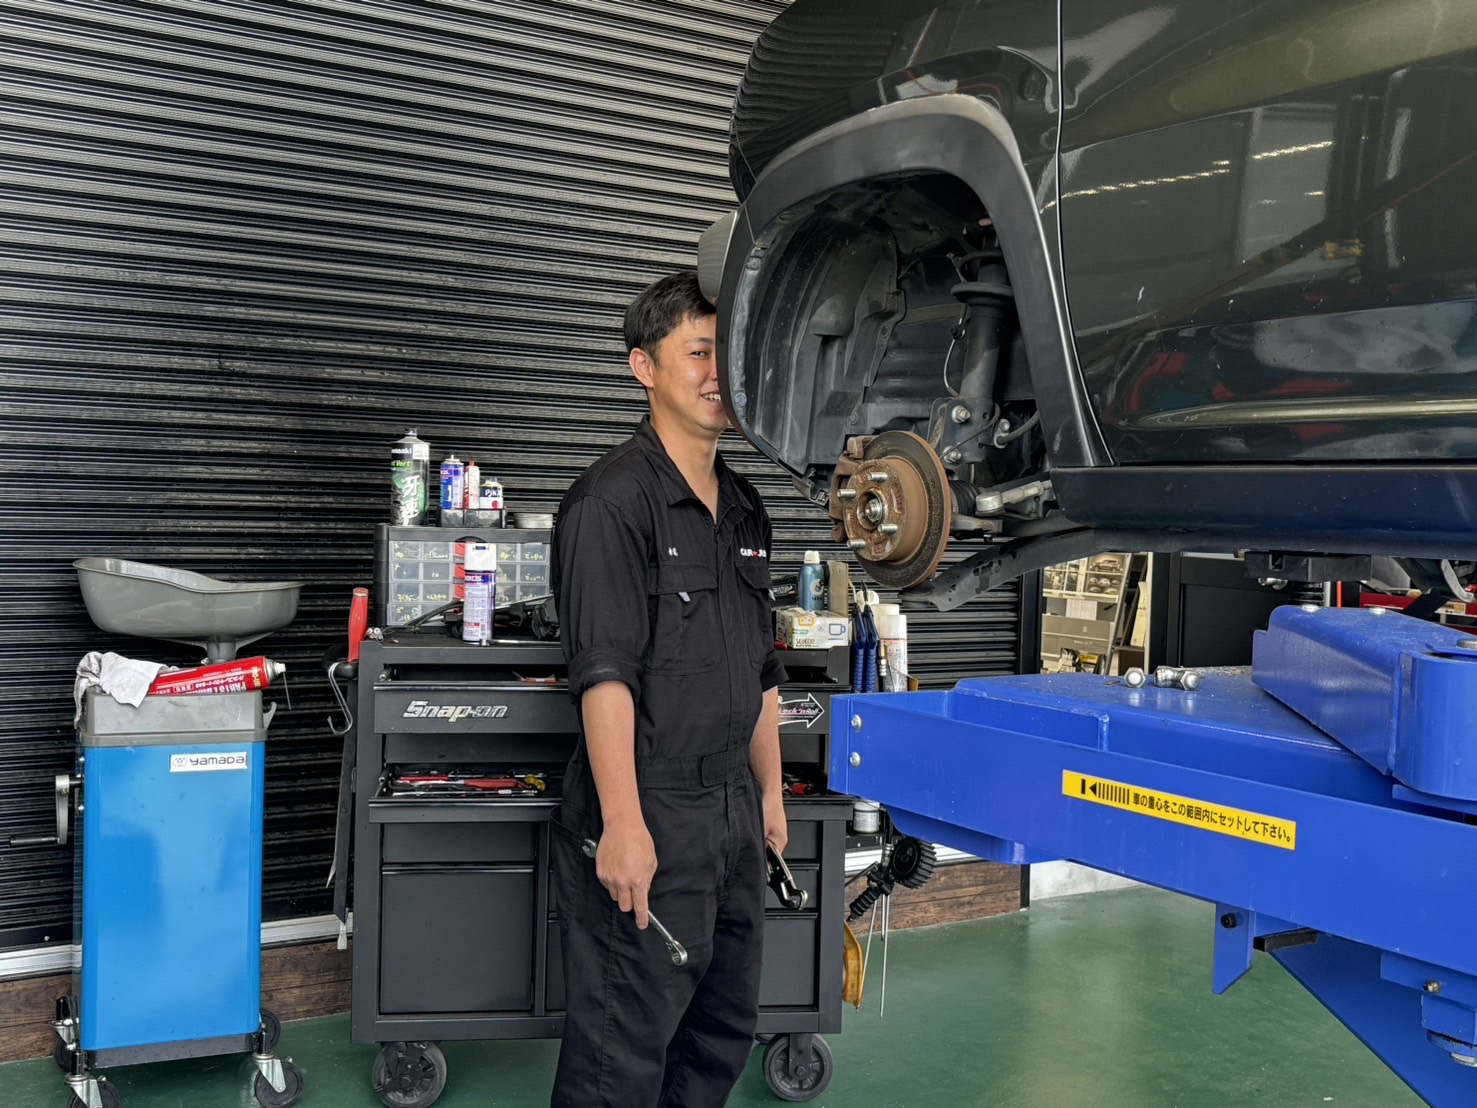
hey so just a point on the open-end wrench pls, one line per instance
(674, 948)
(782, 881)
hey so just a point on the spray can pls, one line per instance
(490, 502)
(471, 489)
(812, 583)
(453, 491)
(242, 675)
(410, 476)
(892, 628)
(480, 590)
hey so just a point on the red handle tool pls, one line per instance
(358, 621)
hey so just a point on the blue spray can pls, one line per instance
(812, 583)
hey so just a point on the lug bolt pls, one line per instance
(846, 494)
(888, 528)
(879, 477)
(1175, 677)
(857, 544)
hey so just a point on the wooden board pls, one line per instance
(297, 982)
(314, 979)
(965, 890)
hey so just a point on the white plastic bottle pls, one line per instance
(892, 629)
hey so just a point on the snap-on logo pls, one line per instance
(749, 552)
(207, 763)
(422, 709)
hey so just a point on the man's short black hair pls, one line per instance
(660, 309)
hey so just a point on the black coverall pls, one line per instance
(654, 594)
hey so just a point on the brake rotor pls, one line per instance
(891, 502)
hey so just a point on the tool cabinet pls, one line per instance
(455, 927)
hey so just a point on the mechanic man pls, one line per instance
(661, 574)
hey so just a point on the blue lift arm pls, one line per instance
(1346, 847)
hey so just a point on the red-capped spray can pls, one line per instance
(471, 484)
(242, 675)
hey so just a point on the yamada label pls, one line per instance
(208, 763)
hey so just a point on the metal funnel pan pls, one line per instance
(156, 602)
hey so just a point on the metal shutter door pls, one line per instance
(247, 244)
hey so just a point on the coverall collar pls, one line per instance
(675, 485)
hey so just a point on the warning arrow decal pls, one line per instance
(806, 711)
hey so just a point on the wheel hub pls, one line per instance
(890, 503)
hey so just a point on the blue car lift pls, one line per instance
(1325, 802)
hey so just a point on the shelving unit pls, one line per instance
(1089, 609)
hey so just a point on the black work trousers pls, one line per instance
(639, 1031)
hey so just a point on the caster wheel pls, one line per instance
(61, 1054)
(272, 1028)
(402, 1080)
(269, 1097)
(112, 1098)
(803, 1086)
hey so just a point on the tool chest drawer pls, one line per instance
(474, 956)
(454, 708)
(459, 842)
(805, 842)
(789, 978)
(807, 878)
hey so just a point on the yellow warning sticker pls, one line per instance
(1239, 824)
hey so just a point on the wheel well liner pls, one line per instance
(954, 134)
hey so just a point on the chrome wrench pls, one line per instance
(674, 948)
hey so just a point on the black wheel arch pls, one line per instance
(953, 134)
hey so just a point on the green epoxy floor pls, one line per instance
(1098, 1001)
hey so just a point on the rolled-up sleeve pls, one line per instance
(600, 561)
(773, 675)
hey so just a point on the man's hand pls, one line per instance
(776, 828)
(625, 863)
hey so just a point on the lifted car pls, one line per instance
(1106, 275)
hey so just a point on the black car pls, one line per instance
(1103, 274)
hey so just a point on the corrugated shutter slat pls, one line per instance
(247, 244)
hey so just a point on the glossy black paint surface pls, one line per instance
(1267, 237)
(1267, 227)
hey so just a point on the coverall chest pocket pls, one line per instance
(755, 583)
(686, 627)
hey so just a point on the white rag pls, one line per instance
(126, 680)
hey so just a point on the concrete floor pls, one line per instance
(1097, 1001)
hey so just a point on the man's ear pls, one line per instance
(641, 368)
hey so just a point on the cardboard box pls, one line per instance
(838, 589)
(802, 630)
